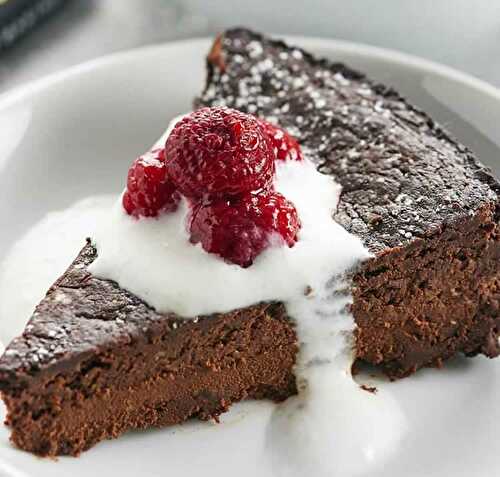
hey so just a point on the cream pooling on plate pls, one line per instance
(154, 259)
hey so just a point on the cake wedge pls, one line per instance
(95, 361)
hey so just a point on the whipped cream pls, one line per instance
(154, 259)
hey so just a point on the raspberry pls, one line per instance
(239, 229)
(149, 190)
(285, 146)
(219, 152)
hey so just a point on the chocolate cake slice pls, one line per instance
(95, 361)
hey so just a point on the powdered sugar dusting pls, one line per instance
(346, 120)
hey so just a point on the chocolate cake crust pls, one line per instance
(95, 361)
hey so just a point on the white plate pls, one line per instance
(74, 134)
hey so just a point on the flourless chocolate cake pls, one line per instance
(95, 361)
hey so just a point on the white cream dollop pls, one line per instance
(154, 259)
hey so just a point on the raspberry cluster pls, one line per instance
(222, 161)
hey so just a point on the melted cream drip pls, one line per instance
(332, 427)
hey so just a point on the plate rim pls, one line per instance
(31, 88)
